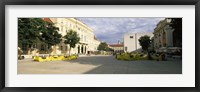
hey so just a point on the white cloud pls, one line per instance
(112, 29)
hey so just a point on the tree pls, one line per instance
(176, 24)
(29, 30)
(50, 35)
(145, 42)
(33, 30)
(104, 47)
(72, 39)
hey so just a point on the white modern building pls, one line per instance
(131, 42)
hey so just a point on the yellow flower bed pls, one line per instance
(40, 59)
(53, 58)
(130, 57)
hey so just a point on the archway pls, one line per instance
(78, 49)
(82, 49)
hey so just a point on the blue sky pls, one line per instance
(111, 30)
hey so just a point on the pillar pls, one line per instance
(169, 36)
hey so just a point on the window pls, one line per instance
(81, 37)
(131, 36)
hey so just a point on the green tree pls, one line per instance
(176, 24)
(50, 35)
(104, 47)
(72, 39)
(144, 42)
(33, 30)
(29, 30)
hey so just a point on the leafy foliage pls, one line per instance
(32, 30)
(50, 35)
(104, 47)
(29, 29)
(71, 38)
(176, 24)
(144, 42)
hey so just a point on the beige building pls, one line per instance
(163, 35)
(95, 43)
(88, 41)
(117, 47)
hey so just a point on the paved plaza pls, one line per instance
(99, 65)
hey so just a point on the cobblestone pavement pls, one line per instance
(99, 65)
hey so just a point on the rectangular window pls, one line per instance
(131, 36)
(81, 37)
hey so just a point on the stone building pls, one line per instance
(165, 36)
(88, 42)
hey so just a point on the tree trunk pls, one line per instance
(149, 55)
(69, 51)
(49, 49)
(29, 49)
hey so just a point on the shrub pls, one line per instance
(54, 58)
(128, 56)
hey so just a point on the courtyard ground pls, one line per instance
(99, 65)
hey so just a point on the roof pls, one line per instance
(48, 20)
(116, 45)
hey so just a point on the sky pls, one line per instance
(111, 30)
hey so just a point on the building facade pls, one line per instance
(164, 35)
(117, 47)
(88, 42)
(131, 42)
